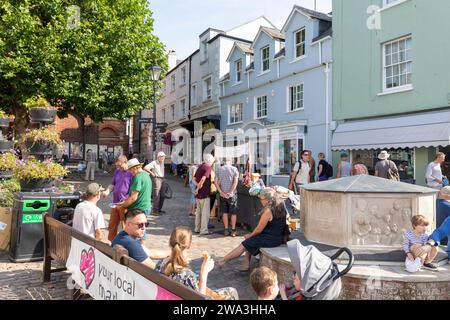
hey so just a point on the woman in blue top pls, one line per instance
(269, 233)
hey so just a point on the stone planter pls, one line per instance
(42, 115)
(40, 148)
(6, 145)
(35, 185)
(4, 122)
(5, 175)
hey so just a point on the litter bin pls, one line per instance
(27, 232)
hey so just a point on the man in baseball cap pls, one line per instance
(88, 218)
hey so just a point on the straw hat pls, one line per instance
(383, 155)
(133, 163)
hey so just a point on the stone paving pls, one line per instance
(24, 280)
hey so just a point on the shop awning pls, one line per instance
(431, 129)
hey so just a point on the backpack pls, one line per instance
(392, 173)
(328, 170)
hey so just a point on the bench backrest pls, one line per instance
(57, 243)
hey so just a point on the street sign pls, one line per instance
(145, 120)
(161, 125)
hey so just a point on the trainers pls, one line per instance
(430, 266)
(226, 233)
(233, 233)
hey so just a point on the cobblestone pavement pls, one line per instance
(24, 280)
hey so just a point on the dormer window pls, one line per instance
(265, 62)
(300, 43)
(239, 71)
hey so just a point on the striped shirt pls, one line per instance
(410, 239)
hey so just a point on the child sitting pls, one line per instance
(264, 282)
(292, 292)
(415, 243)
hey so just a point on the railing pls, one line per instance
(57, 243)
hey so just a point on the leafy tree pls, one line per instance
(96, 66)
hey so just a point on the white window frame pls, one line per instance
(263, 59)
(205, 89)
(230, 111)
(257, 105)
(172, 111)
(204, 50)
(387, 5)
(183, 76)
(238, 78)
(296, 45)
(194, 94)
(183, 107)
(173, 83)
(407, 86)
(288, 97)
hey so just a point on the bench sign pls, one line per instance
(105, 279)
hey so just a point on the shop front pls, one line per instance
(411, 140)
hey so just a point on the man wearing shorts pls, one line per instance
(226, 183)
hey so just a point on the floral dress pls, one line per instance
(190, 279)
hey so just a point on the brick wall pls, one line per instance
(111, 132)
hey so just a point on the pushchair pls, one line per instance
(319, 274)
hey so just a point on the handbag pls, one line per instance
(392, 173)
(167, 191)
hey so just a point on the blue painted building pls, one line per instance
(282, 83)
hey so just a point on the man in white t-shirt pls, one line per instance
(434, 172)
(88, 218)
(156, 171)
(300, 173)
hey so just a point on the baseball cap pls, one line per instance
(93, 189)
(133, 163)
(161, 154)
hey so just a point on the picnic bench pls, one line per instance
(57, 243)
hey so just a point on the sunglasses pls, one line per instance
(141, 225)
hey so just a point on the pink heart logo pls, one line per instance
(87, 266)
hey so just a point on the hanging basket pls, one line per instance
(40, 148)
(6, 145)
(35, 185)
(42, 115)
(4, 122)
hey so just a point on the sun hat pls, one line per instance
(133, 163)
(93, 189)
(161, 154)
(383, 155)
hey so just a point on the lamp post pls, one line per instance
(155, 75)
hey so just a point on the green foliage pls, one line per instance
(99, 69)
(8, 161)
(32, 169)
(3, 114)
(37, 102)
(7, 189)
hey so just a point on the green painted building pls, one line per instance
(391, 82)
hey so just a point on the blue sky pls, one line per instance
(178, 23)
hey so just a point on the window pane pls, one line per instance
(402, 80)
(409, 67)
(395, 58)
(402, 56)
(389, 82)
(408, 43)
(388, 60)
(402, 45)
(408, 55)
(395, 47)
(389, 72)
(388, 49)
(396, 70)
(408, 78)
(403, 68)
(395, 81)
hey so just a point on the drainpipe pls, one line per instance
(327, 110)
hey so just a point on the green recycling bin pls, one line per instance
(27, 231)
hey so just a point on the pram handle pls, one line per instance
(351, 259)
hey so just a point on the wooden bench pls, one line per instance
(57, 243)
